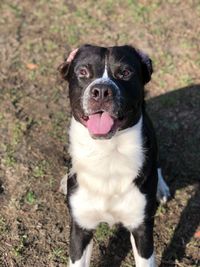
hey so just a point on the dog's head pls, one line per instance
(106, 87)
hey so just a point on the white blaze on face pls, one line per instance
(105, 74)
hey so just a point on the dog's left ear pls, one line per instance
(64, 67)
(147, 67)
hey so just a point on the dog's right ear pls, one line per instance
(64, 67)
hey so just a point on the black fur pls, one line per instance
(79, 239)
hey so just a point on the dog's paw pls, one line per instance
(163, 192)
(63, 185)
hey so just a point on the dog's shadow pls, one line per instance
(176, 117)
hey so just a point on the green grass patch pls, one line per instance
(18, 131)
(59, 254)
(103, 231)
(40, 170)
(9, 158)
(186, 79)
(1, 117)
(30, 198)
(52, 181)
(161, 210)
(18, 250)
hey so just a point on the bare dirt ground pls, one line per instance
(34, 114)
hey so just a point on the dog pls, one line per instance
(115, 175)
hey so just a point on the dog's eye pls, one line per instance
(83, 72)
(124, 74)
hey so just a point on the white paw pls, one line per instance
(163, 193)
(63, 185)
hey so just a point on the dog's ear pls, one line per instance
(64, 67)
(147, 67)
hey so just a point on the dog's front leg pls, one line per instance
(80, 246)
(142, 244)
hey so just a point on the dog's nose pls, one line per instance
(101, 93)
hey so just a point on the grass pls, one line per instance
(73, 35)
(141, 11)
(1, 117)
(3, 226)
(52, 181)
(19, 248)
(57, 126)
(103, 231)
(38, 171)
(16, 9)
(9, 158)
(18, 131)
(41, 169)
(30, 198)
(59, 254)
(186, 79)
(161, 210)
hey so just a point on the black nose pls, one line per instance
(101, 93)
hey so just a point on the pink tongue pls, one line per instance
(99, 124)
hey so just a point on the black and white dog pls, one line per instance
(115, 176)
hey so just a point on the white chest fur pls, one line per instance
(105, 172)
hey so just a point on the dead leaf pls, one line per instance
(197, 234)
(31, 66)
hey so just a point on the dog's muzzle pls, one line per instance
(100, 104)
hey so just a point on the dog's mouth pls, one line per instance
(102, 124)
